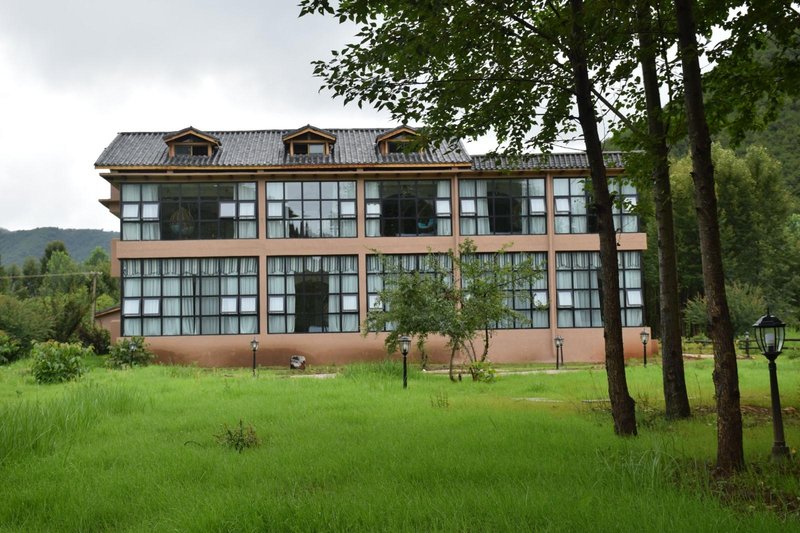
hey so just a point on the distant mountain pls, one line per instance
(15, 246)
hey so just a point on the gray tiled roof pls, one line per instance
(265, 148)
(543, 161)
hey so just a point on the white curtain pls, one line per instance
(131, 231)
(133, 327)
(349, 285)
(245, 230)
(444, 225)
(482, 204)
(132, 287)
(290, 303)
(334, 302)
(151, 231)
(578, 211)
(189, 302)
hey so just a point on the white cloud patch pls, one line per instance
(76, 73)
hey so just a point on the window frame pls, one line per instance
(405, 196)
(507, 204)
(285, 226)
(155, 219)
(191, 284)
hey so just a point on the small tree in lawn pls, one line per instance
(412, 302)
(424, 303)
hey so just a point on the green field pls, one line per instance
(136, 450)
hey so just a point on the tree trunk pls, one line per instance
(452, 358)
(622, 405)
(676, 399)
(730, 452)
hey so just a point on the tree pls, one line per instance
(756, 212)
(655, 144)
(411, 302)
(519, 69)
(730, 449)
(31, 279)
(430, 303)
(49, 250)
(746, 303)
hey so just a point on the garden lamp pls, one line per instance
(405, 341)
(770, 332)
(254, 347)
(645, 336)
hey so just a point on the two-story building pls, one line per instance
(271, 234)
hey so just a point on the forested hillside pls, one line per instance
(15, 246)
(780, 138)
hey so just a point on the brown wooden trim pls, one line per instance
(395, 132)
(332, 167)
(191, 131)
(309, 129)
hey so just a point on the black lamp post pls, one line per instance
(254, 347)
(770, 332)
(404, 343)
(645, 336)
(559, 340)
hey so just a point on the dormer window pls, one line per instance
(309, 140)
(191, 142)
(192, 149)
(396, 141)
(310, 148)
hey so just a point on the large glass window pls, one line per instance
(573, 208)
(298, 209)
(408, 208)
(211, 296)
(578, 291)
(625, 200)
(378, 277)
(178, 211)
(312, 294)
(502, 206)
(528, 299)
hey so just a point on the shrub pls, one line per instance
(25, 320)
(746, 303)
(130, 352)
(10, 348)
(239, 438)
(96, 337)
(482, 371)
(56, 362)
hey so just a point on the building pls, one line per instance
(226, 236)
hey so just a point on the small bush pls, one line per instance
(96, 337)
(239, 438)
(56, 362)
(130, 352)
(482, 371)
(10, 348)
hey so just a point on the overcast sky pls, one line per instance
(74, 73)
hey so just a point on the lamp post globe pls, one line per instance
(770, 332)
(405, 342)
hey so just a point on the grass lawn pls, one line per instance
(135, 450)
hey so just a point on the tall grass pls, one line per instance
(136, 451)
